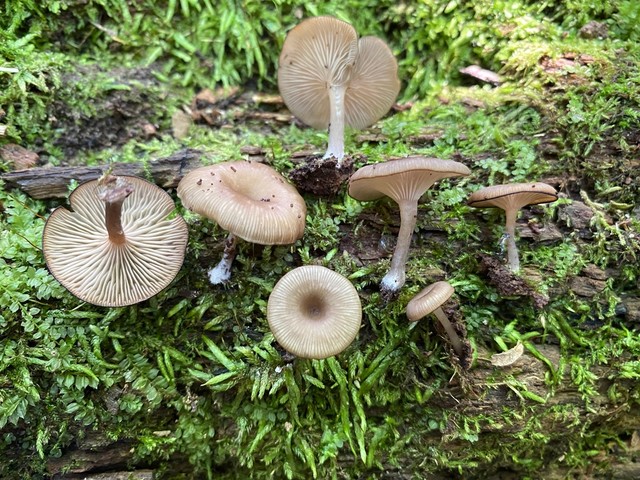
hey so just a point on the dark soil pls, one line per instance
(323, 177)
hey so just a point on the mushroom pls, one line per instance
(404, 181)
(430, 300)
(249, 200)
(328, 78)
(314, 312)
(511, 198)
(119, 244)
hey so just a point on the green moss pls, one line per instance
(195, 374)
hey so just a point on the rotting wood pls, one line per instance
(132, 475)
(53, 182)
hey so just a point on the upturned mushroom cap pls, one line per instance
(321, 52)
(513, 196)
(429, 299)
(249, 199)
(314, 312)
(80, 255)
(402, 179)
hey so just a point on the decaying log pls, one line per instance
(53, 182)
(484, 391)
(132, 475)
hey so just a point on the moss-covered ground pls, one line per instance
(193, 381)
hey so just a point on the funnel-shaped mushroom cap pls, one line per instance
(402, 179)
(322, 52)
(249, 199)
(314, 312)
(84, 260)
(429, 299)
(513, 196)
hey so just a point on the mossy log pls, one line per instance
(511, 426)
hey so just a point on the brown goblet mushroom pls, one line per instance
(430, 300)
(119, 244)
(511, 198)
(314, 312)
(249, 200)
(404, 181)
(328, 78)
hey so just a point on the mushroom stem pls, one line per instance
(336, 123)
(512, 250)
(395, 277)
(454, 339)
(113, 194)
(221, 273)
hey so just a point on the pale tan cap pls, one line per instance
(513, 196)
(429, 299)
(248, 199)
(314, 312)
(81, 257)
(324, 51)
(402, 179)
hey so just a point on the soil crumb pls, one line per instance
(322, 177)
(508, 283)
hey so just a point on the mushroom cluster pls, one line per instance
(121, 242)
(330, 79)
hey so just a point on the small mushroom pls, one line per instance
(430, 300)
(511, 198)
(404, 181)
(120, 244)
(314, 312)
(249, 200)
(328, 78)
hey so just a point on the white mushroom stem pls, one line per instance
(395, 277)
(336, 123)
(454, 339)
(221, 273)
(512, 250)
(114, 193)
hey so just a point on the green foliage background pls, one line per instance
(194, 376)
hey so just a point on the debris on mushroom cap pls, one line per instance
(248, 199)
(427, 300)
(80, 255)
(321, 52)
(404, 178)
(314, 312)
(513, 195)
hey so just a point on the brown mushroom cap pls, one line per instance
(323, 51)
(80, 255)
(248, 199)
(402, 179)
(314, 312)
(513, 196)
(429, 299)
